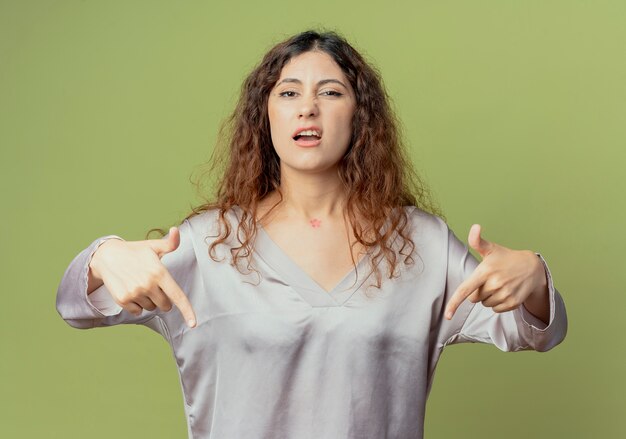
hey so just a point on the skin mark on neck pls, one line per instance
(315, 223)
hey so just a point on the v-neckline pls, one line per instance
(291, 274)
(298, 279)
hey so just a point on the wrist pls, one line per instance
(542, 289)
(96, 257)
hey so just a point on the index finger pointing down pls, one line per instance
(179, 298)
(463, 292)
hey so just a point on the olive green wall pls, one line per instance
(515, 115)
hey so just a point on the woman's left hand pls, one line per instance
(504, 279)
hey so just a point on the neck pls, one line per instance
(313, 196)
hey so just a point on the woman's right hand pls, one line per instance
(134, 275)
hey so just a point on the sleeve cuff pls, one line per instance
(101, 298)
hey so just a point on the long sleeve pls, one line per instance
(103, 301)
(83, 311)
(509, 331)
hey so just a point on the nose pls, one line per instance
(308, 107)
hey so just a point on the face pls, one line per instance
(312, 91)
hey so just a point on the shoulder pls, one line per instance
(210, 217)
(428, 232)
(425, 222)
(432, 229)
(207, 225)
(429, 236)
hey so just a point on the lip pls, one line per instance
(307, 143)
(312, 127)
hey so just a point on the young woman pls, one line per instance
(316, 293)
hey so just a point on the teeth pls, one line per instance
(309, 133)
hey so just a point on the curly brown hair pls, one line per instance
(375, 171)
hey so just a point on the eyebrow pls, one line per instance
(321, 82)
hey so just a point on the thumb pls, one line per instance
(478, 243)
(166, 244)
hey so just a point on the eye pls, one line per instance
(327, 93)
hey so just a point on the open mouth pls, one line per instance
(306, 138)
(306, 141)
